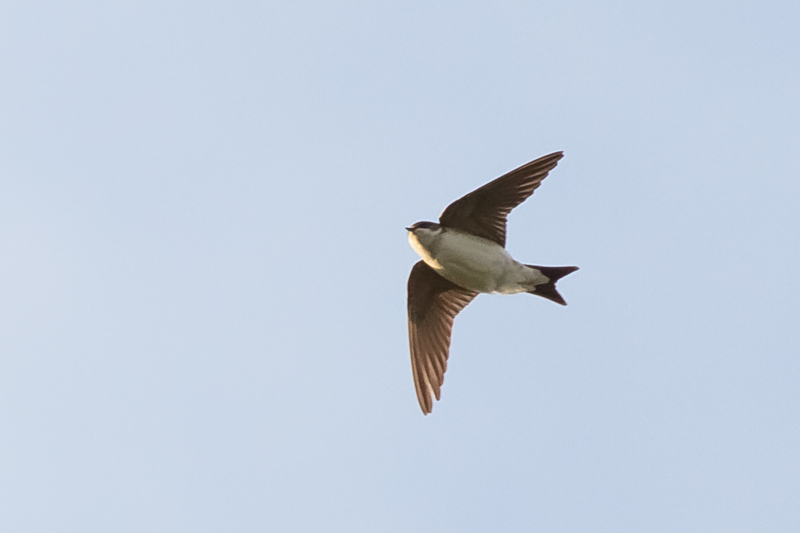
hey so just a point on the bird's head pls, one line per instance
(423, 234)
(423, 228)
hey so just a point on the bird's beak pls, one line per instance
(409, 229)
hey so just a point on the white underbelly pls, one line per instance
(478, 264)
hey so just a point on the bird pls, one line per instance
(463, 255)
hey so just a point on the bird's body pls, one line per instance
(464, 255)
(472, 262)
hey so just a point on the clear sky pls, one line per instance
(203, 266)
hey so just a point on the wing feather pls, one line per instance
(484, 211)
(433, 303)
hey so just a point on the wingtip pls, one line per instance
(426, 407)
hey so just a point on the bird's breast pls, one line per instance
(424, 250)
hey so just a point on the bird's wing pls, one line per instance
(483, 212)
(433, 303)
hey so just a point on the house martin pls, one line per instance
(462, 255)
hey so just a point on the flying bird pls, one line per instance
(463, 255)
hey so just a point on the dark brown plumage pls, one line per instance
(484, 211)
(433, 303)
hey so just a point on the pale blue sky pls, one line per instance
(203, 266)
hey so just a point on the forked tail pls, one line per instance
(548, 289)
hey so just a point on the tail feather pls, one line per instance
(548, 289)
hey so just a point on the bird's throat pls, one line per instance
(424, 252)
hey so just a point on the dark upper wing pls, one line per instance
(483, 212)
(433, 303)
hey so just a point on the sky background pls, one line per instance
(203, 266)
